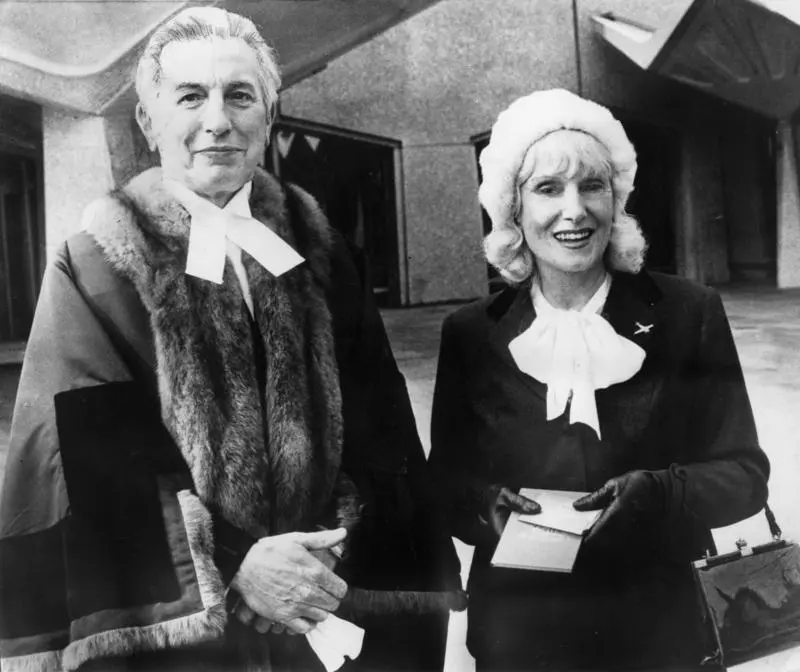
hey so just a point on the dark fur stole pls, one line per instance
(267, 474)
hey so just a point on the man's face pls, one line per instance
(207, 117)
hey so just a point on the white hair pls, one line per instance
(600, 148)
(204, 23)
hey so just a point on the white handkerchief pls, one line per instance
(333, 639)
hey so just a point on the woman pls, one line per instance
(587, 374)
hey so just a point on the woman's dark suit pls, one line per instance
(685, 416)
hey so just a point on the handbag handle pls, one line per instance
(774, 528)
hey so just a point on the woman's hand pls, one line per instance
(282, 584)
(631, 502)
(500, 502)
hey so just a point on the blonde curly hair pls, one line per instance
(601, 148)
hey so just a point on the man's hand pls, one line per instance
(500, 502)
(632, 503)
(284, 585)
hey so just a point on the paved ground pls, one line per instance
(767, 330)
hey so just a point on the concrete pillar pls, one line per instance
(443, 223)
(788, 207)
(77, 169)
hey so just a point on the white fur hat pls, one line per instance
(529, 119)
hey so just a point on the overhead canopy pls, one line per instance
(744, 51)
(81, 55)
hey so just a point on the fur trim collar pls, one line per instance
(264, 474)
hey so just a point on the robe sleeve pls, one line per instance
(724, 478)
(103, 550)
(401, 522)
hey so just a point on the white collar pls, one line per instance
(240, 203)
(575, 353)
(211, 226)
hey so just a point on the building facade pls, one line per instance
(716, 190)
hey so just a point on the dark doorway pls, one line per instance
(749, 186)
(496, 281)
(20, 245)
(651, 202)
(21, 222)
(353, 178)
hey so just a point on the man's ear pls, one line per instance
(146, 124)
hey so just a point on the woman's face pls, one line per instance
(567, 204)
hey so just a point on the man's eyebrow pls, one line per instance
(188, 85)
(241, 83)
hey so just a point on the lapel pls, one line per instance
(630, 308)
(512, 312)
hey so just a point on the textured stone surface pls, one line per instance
(443, 75)
(433, 82)
(443, 224)
(77, 169)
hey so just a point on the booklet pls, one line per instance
(551, 547)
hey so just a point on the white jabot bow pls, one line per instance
(212, 227)
(575, 352)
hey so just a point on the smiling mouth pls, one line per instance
(219, 150)
(579, 236)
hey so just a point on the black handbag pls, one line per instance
(750, 599)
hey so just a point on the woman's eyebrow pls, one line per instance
(546, 176)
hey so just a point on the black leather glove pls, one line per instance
(634, 506)
(499, 502)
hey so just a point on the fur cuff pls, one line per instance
(203, 626)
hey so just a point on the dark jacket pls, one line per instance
(685, 416)
(159, 430)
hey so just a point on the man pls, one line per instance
(208, 400)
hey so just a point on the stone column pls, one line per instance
(77, 170)
(443, 223)
(788, 210)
